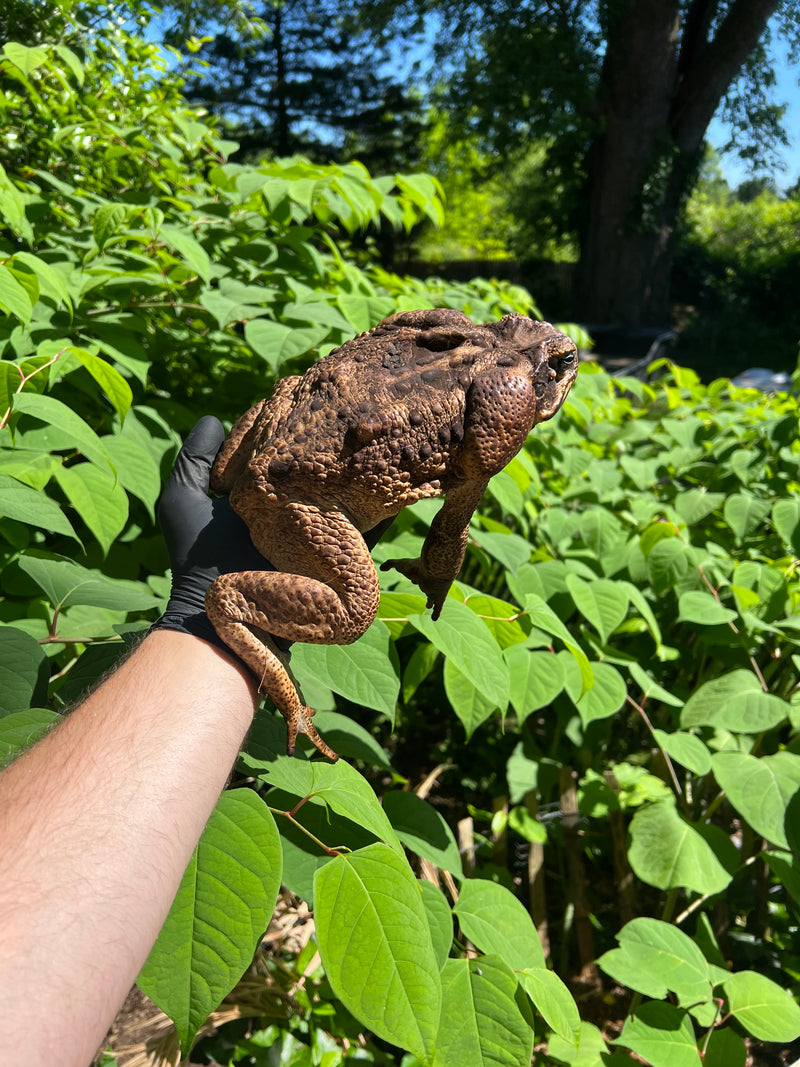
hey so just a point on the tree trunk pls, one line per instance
(663, 78)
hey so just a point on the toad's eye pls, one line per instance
(563, 363)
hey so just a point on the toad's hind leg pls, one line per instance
(325, 592)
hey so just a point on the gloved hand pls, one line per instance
(204, 537)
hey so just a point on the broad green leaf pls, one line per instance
(655, 958)
(650, 688)
(72, 62)
(422, 829)
(744, 512)
(375, 944)
(65, 583)
(554, 1002)
(52, 282)
(592, 1050)
(182, 242)
(760, 788)
(337, 785)
(481, 1024)
(50, 410)
(669, 853)
(496, 922)
(366, 672)
(277, 343)
(536, 679)
(99, 500)
(363, 312)
(509, 549)
(544, 618)
(108, 220)
(725, 1049)
(222, 908)
(662, 1035)
(349, 738)
(606, 696)
(136, 469)
(500, 619)
(109, 379)
(786, 520)
(736, 702)
(470, 705)
(23, 670)
(20, 502)
(21, 729)
(463, 638)
(703, 608)
(762, 1007)
(440, 920)
(26, 58)
(603, 603)
(686, 749)
(14, 298)
(522, 822)
(693, 505)
(668, 563)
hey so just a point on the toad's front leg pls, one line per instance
(330, 598)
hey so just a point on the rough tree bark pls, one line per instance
(665, 71)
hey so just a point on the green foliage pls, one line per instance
(737, 265)
(626, 622)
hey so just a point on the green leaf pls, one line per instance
(669, 853)
(786, 520)
(463, 638)
(110, 380)
(23, 670)
(703, 608)
(335, 784)
(422, 829)
(760, 788)
(668, 563)
(182, 242)
(375, 944)
(662, 1035)
(655, 958)
(744, 512)
(592, 1050)
(52, 282)
(222, 908)
(98, 499)
(20, 502)
(725, 1049)
(481, 1024)
(693, 505)
(762, 1007)
(21, 729)
(366, 672)
(14, 297)
(736, 702)
(470, 705)
(544, 618)
(26, 58)
(65, 583)
(350, 739)
(606, 696)
(277, 343)
(536, 679)
(686, 749)
(53, 412)
(136, 469)
(603, 603)
(554, 1002)
(107, 222)
(496, 922)
(440, 920)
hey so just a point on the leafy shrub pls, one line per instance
(628, 606)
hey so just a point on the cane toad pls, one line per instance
(426, 404)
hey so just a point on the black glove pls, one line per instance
(204, 537)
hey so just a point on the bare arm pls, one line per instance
(98, 822)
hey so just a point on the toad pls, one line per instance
(426, 404)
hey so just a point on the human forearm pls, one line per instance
(98, 822)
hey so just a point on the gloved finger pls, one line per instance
(193, 464)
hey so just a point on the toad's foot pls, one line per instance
(298, 721)
(435, 589)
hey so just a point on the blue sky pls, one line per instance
(786, 91)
